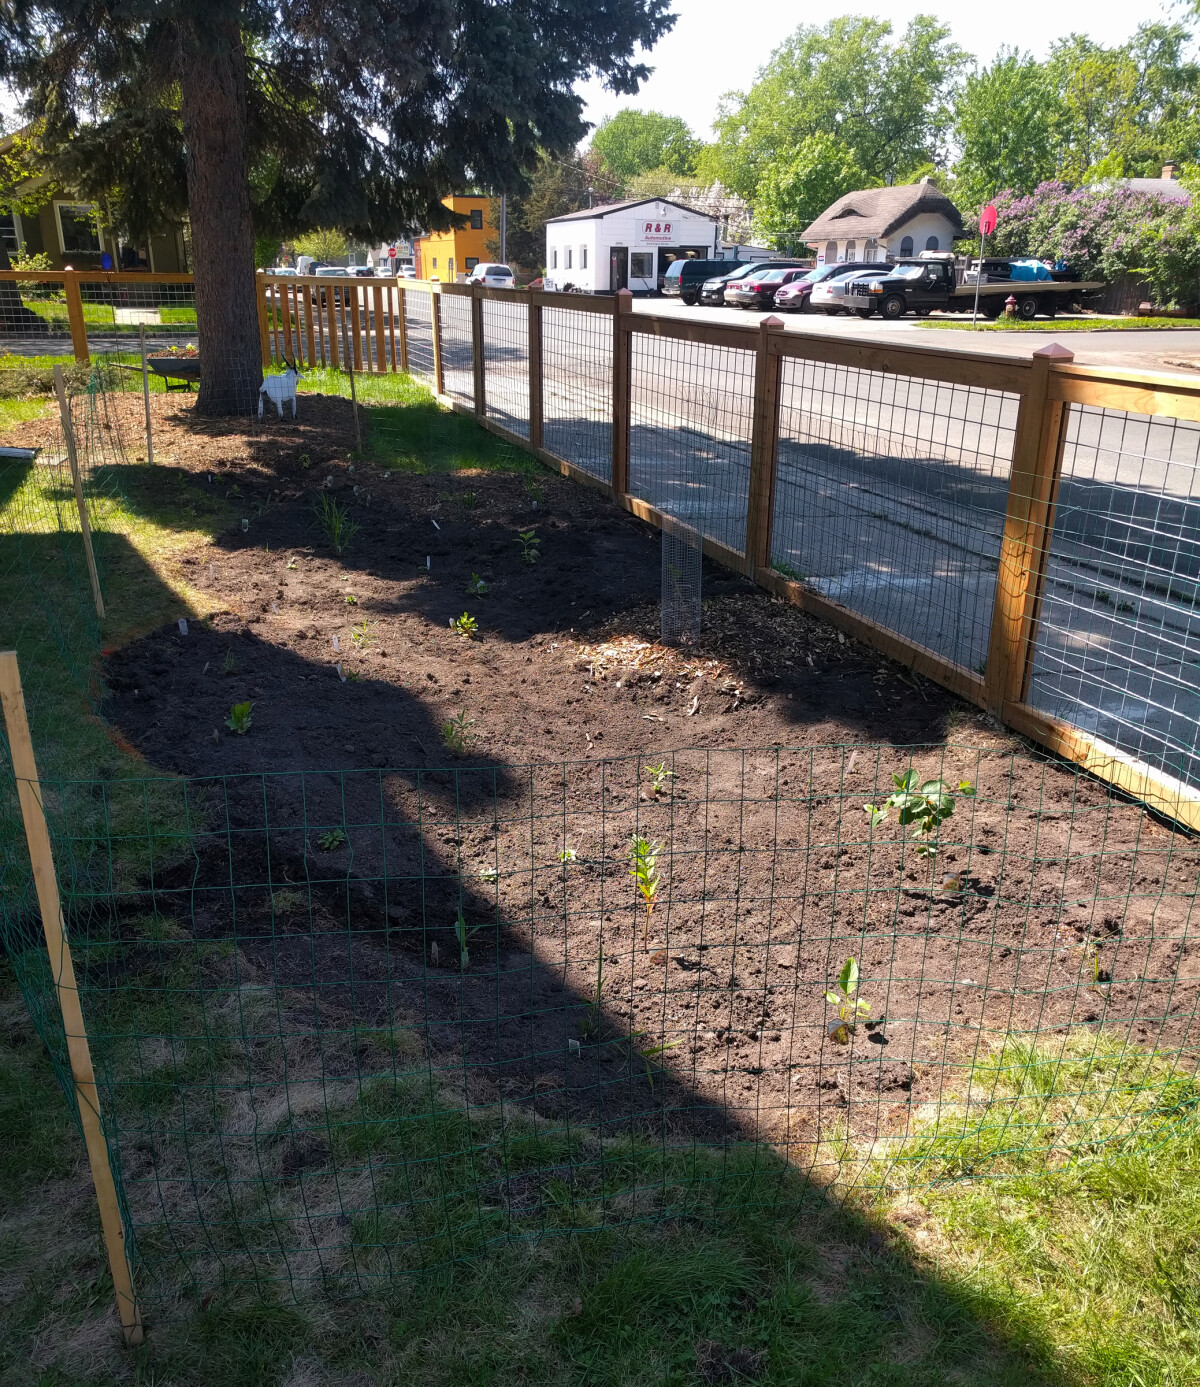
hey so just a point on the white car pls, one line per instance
(830, 296)
(494, 276)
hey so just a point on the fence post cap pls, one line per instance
(624, 300)
(772, 324)
(1055, 351)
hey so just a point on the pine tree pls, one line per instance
(264, 117)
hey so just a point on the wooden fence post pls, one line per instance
(41, 857)
(64, 411)
(764, 446)
(79, 337)
(355, 324)
(622, 351)
(535, 371)
(435, 319)
(400, 314)
(1028, 521)
(477, 350)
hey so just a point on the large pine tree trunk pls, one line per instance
(213, 81)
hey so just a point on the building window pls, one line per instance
(554, 259)
(906, 246)
(932, 243)
(435, 262)
(851, 250)
(470, 262)
(78, 233)
(476, 219)
(568, 257)
(450, 267)
(641, 264)
(870, 248)
(10, 232)
(831, 252)
(583, 257)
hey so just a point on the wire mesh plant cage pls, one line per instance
(682, 574)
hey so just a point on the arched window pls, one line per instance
(831, 253)
(870, 248)
(932, 243)
(851, 248)
(906, 246)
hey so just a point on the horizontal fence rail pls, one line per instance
(1020, 531)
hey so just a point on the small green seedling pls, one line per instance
(567, 855)
(335, 838)
(463, 934)
(529, 541)
(928, 804)
(465, 625)
(456, 732)
(468, 498)
(239, 718)
(305, 461)
(350, 598)
(650, 1051)
(477, 587)
(849, 1006)
(643, 859)
(229, 663)
(362, 634)
(291, 563)
(659, 775)
(334, 519)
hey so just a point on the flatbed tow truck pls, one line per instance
(930, 282)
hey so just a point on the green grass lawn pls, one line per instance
(680, 1267)
(1061, 324)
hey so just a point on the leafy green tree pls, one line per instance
(794, 191)
(1005, 123)
(890, 102)
(327, 244)
(265, 116)
(24, 190)
(633, 142)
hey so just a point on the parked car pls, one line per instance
(834, 294)
(685, 278)
(362, 272)
(712, 291)
(407, 271)
(495, 276)
(797, 296)
(758, 291)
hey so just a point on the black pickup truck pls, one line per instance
(920, 286)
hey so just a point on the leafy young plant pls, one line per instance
(647, 1053)
(334, 519)
(477, 587)
(456, 731)
(229, 663)
(462, 933)
(350, 598)
(529, 541)
(849, 1006)
(239, 718)
(361, 634)
(659, 775)
(928, 804)
(643, 868)
(567, 855)
(335, 838)
(465, 625)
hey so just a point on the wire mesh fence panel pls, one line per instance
(577, 388)
(1117, 652)
(890, 498)
(691, 414)
(116, 313)
(352, 1025)
(33, 318)
(418, 328)
(458, 351)
(506, 362)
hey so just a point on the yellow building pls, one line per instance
(445, 255)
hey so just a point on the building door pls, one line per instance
(618, 268)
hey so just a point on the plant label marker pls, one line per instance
(183, 626)
(436, 526)
(337, 645)
(428, 561)
(245, 526)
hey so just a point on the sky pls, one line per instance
(706, 54)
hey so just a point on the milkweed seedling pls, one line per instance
(849, 1006)
(465, 625)
(477, 587)
(456, 731)
(350, 598)
(643, 859)
(335, 838)
(335, 522)
(229, 663)
(659, 775)
(567, 855)
(239, 718)
(928, 804)
(462, 933)
(529, 541)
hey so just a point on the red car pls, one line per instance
(794, 297)
(758, 291)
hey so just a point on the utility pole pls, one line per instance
(504, 228)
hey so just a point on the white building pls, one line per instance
(627, 245)
(885, 224)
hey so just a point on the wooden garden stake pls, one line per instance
(37, 836)
(146, 399)
(354, 408)
(64, 410)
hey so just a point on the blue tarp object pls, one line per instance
(1029, 269)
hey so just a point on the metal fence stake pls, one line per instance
(435, 316)
(763, 448)
(41, 857)
(64, 410)
(535, 372)
(621, 350)
(146, 398)
(477, 351)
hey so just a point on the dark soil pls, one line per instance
(1051, 903)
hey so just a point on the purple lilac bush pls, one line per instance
(1106, 232)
